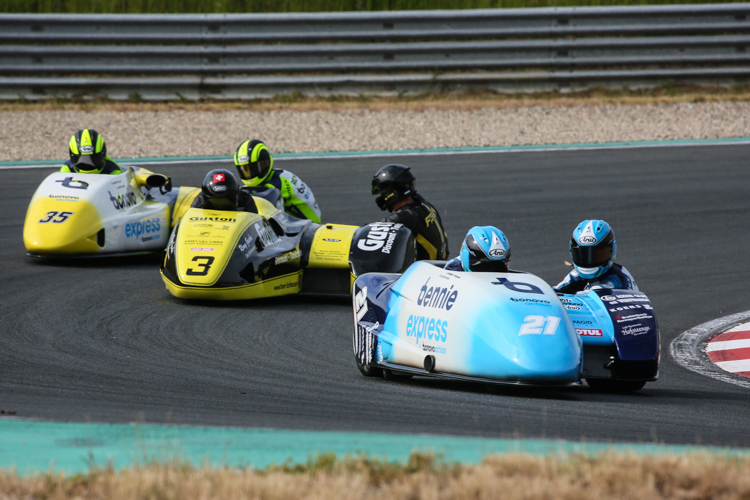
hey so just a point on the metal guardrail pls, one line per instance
(252, 55)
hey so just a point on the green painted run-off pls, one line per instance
(32, 446)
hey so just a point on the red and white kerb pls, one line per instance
(730, 350)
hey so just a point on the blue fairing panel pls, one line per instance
(635, 329)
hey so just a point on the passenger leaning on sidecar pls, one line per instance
(394, 185)
(255, 165)
(88, 155)
(484, 250)
(221, 191)
(592, 249)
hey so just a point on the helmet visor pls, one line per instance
(255, 169)
(221, 203)
(484, 264)
(595, 256)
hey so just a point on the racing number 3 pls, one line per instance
(203, 267)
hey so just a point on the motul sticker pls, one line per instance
(589, 332)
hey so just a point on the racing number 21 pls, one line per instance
(203, 267)
(535, 325)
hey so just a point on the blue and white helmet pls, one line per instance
(485, 249)
(593, 248)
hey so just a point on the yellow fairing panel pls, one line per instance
(185, 198)
(265, 207)
(205, 242)
(330, 246)
(61, 228)
(281, 285)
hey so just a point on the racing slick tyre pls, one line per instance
(368, 370)
(609, 385)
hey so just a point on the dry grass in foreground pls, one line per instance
(610, 475)
(475, 99)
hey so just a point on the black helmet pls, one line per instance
(253, 161)
(88, 151)
(221, 190)
(393, 183)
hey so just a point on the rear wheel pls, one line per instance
(367, 370)
(609, 385)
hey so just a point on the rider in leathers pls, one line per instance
(592, 249)
(394, 185)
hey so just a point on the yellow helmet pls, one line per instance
(254, 162)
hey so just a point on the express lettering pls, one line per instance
(437, 297)
(421, 327)
(142, 227)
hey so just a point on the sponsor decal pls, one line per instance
(219, 178)
(571, 307)
(245, 245)
(435, 349)
(497, 249)
(69, 182)
(201, 249)
(530, 301)
(518, 286)
(282, 259)
(582, 322)
(62, 197)
(123, 200)
(587, 240)
(284, 286)
(380, 236)
(589, 332)
(423, 327)
(360, 304)
(205, 233)
(333, 240)
(635, 330)
(632, 317)
(437, 297)
(266, 234)
(137, 229)
(632, 306)
(243, 159)
(149, 238)
(364, 344)
(214, 219)
(219, 189)
(608, 298)
(87, 149)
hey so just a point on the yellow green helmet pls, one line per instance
(87, 151)
(254, 162)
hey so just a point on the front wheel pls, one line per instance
(368, 370)
(619, 386)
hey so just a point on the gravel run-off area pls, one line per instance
(43, 135)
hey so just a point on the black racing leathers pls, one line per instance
(424, 222)
(245, 203)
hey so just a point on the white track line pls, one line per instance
(687, 348)
(724, 345)
(384, 154)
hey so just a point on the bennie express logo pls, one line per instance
(425, 327)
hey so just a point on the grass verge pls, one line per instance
(609, 475)
(667, 93)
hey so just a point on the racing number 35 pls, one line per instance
(55, 217)
(203, 267)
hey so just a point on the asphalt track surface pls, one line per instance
(103, 341)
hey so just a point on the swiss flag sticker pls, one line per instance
(218, 177)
